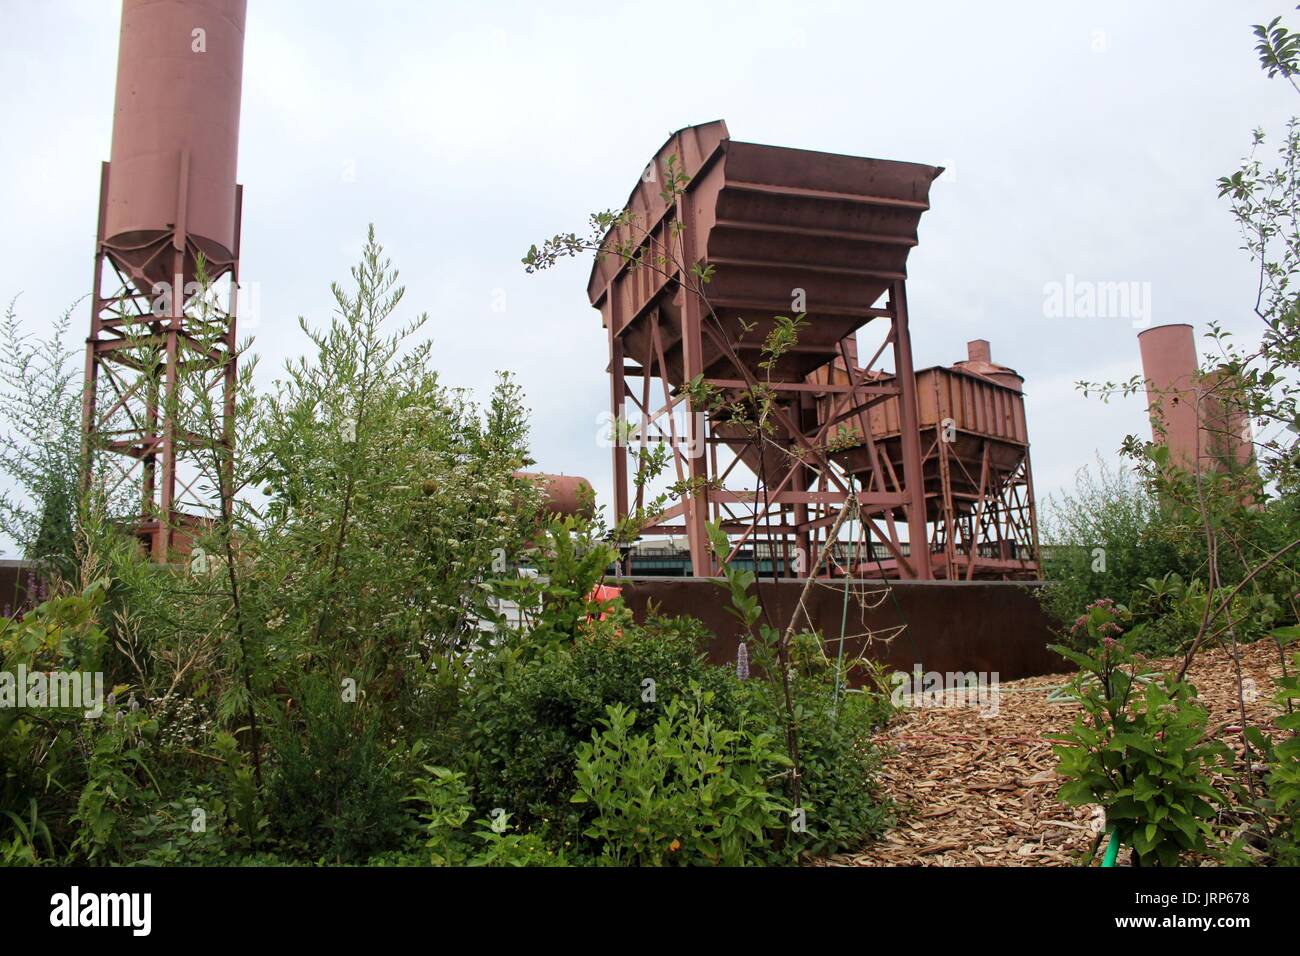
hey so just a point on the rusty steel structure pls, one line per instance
(979, 481)
(162, 342)
(720, 238)
(979, 493)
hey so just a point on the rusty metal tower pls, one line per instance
(780, 231)
(168, 200)
(979, 490)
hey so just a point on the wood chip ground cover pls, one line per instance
(981, 791)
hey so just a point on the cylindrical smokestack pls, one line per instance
(175, 135)
(1170, 369)
(1225, 426)
(979, 359)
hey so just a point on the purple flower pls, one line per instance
(742, 661)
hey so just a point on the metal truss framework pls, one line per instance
(991, 533)
(158, 356)
(794, 507)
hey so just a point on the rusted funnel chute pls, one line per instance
(978, 478)
(780, 232)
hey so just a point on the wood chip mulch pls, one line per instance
(981, 791)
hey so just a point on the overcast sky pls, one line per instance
(1080, 139)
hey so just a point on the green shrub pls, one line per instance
(1140, 750)
(1281, 800)
(524, 717)
(690, 791)
(336, 790)
(1105, 540)
(29, 841)
(46, 756)
(841, 798)
(445, 801)
(185, 832)
(119, 788)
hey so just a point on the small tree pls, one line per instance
(40, 406)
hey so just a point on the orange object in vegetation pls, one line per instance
(603, 594)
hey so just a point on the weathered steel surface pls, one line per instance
(989, 626)
(1169, 366)
(780, 232)
(1195, 415)
(566, 495)
(975, 440)
(167, 197)
(175, 135)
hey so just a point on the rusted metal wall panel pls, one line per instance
(951, 626)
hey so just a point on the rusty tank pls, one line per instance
(175, 137)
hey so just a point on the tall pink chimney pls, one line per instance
(1169, 367)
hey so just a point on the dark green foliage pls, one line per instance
(841, 796)
(325, 678)
(40, 445)
(1140, 750)
(1152, 562)
(337, 790)
(1104, 540)
(523, 719)
(569, 563)
(1281, 758)
(45, 755)
(55, 543)
(691, 790)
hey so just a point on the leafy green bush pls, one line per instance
(40, 447)
(1140, 750)
(373, 513)
(29, 841)
(558, 603)
(1281, 801)
(1164, 615)
(337, 789)
(45, 756)
(690, 791)
(119, 789)
(1105, 540)
(524, 716)
(841, 796)
(444, 799)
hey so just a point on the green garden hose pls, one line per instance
(1112, 849)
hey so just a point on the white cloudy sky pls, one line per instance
(1080, 138)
